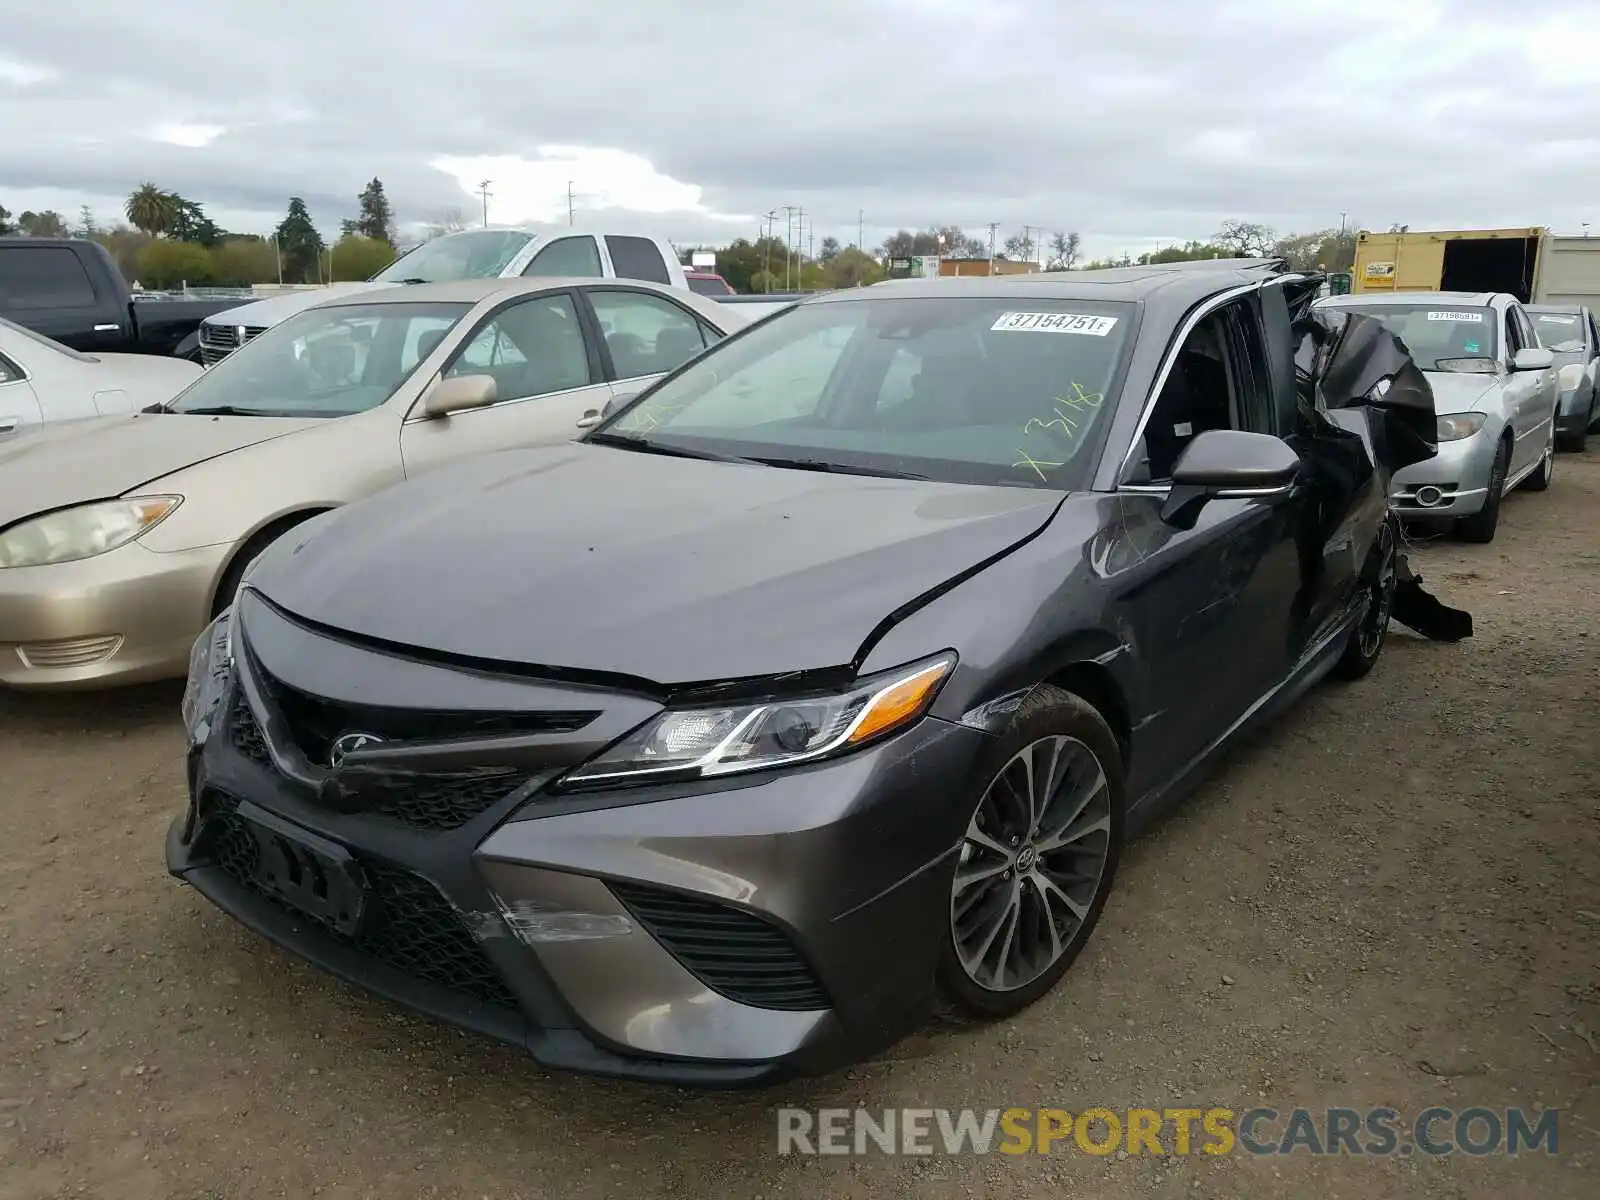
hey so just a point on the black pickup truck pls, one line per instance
(71, 289)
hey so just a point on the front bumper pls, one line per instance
(1459, 472)
(754, 928)
(126, 616)
(1574, 412)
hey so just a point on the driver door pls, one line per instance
(546, 373)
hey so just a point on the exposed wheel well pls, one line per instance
(1099, 687)
(254, 544)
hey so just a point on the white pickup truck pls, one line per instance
(470, 254)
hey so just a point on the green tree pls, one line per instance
(190, 223)
(125, 246)
(830, 248)
(243, 260)
(46, 224)
(166, 263)
(5, 220)
(151, 210)
(377, 218)
(86, 226)
(356, 257)
(761, 281)
(299, 244)
(851, 267)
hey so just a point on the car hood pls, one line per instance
(1457, 392)
(77, 461)
(597, 559)
(263, 314)
(147, 378)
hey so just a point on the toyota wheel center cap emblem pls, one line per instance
(349, 743)
(1027, 858)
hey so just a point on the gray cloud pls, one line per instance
(1131, 123)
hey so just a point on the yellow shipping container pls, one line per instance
(1449, 260)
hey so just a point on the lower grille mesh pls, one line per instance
(745, 958)
(414, 930)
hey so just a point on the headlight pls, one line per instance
(701, 743)
(83, 532)
(1459, 425)
(1570, 376)
(210, 661)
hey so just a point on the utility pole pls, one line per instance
(799, 247)
(483, 189)
(766, 248)
(569, 202)
(861, 230)
(788, 241)
(993, 227)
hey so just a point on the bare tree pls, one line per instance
(1020, 247)
(446, 220)
(1244, 239)
(1064, 250)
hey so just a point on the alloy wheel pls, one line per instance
(1031, 863)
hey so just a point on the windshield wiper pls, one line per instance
(229, 410)
(817, 464)
(625, 442)
(408, 279)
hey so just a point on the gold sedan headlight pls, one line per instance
(83, 532)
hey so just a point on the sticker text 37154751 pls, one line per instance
(1054, 322)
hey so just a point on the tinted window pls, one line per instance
(325, 362)
(708, 287)
(43, 277)
(9, 371)
(478, 254)
(531, 348)
(637, 258)
(1525, 332)
(571, 257)
(646, 335)
(976, 390)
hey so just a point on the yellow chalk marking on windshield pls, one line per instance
(1027, 460)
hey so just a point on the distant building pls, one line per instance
(982, 266)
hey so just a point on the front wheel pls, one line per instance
(1481, 525)
(1037, 860)
(1377, 603)
(1539, 481)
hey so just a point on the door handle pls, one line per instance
(9, 425)
(589, 419)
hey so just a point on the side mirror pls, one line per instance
(1225, 464)
(1533, 360)
(459, 393)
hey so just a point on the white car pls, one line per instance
(469, 254)
(43, 381)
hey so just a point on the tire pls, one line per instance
(1481, 525)
(1574, 443)
(1539, 480)
(1378, 581)
(228, 589)
(1050, 721)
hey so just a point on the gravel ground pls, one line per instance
(1391, 898)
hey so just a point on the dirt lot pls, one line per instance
(1391, 898)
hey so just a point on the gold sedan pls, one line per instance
(120, 538)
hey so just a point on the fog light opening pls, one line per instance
(1429, 496)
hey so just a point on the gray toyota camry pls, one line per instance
(820, 684)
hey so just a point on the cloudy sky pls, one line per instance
(1136, 123)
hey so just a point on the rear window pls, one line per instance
(38, 277)
(1558, 331)
(637, 258)
(709, 286)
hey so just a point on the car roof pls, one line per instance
(1170, 284)
(472, 291)
(1475, 299)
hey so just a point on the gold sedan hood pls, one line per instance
(70, 463)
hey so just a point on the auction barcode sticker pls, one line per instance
(1038, 322)
(1475, 318)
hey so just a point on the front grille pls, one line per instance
(433, 802)
(218, 341)
(314, 723)
(742, 956)
(412, 927)
(245, 733)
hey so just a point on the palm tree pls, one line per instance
(151, 210)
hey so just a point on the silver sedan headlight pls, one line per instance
(71, 534)
(1454, 427)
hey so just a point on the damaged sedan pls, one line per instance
(821, 684)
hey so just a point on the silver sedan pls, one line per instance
(43, 381)
(1495, 390)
